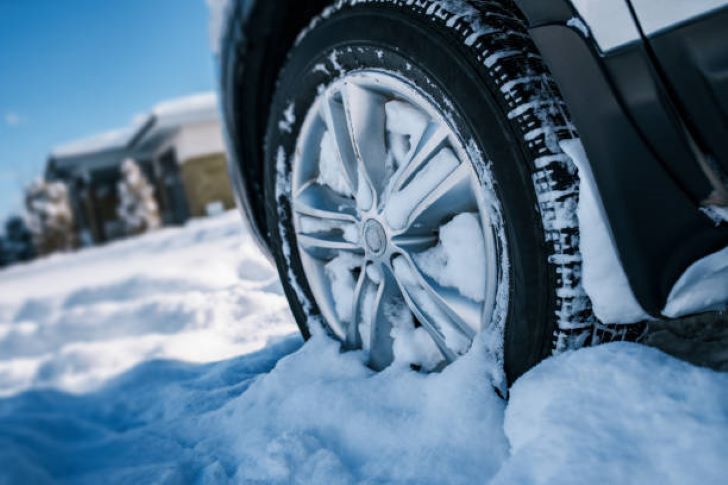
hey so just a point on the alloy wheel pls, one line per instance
(391, 223)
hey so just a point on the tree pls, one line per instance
(49, 217)
(18, 241)
(137, 209)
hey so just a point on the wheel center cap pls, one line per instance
(374, 237)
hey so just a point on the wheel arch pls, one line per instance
(260, 34)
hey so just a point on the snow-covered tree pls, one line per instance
(137, 209)
(49, 216)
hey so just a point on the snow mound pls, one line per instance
(405, 126)
(618, 413)
(72, 321)
(319, 416)
(191, 372)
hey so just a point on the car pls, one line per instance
(529, 176)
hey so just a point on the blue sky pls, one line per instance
(73, 68)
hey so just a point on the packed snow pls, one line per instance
(331, 172)
(458, 260)
(453, 338)
(405, 126)
(604, 278)
(71, 321)
(172, 358)
(703, 286)
(339, 273)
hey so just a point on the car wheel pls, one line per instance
(416, 191)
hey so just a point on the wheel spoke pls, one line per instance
(366, 121)
(453, 195)
(457, 308)
(323, 245)
(432, 140)
(447, 336)
(353, 335)
(327, 221)
(334, 115)
(320, 201)
(435, 179)
(415, 242)
(381, 344)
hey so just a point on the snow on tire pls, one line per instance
(469, 69)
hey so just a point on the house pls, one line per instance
(179, 147)
(182, 140)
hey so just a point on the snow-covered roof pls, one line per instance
(167, 115)
(194, 108)
(109, 140)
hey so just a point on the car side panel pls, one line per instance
(693, 57)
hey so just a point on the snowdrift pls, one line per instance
(172, 358)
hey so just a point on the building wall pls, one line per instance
(199, 139)
(206, 181)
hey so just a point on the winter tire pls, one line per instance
(415, 188)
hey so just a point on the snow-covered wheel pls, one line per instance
(416, 190)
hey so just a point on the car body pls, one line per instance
(646, 82)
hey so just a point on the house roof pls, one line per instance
(172, 114)
(194, 108)
(107, 141)
(107, 148)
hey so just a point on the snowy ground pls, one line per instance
(172, 358)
